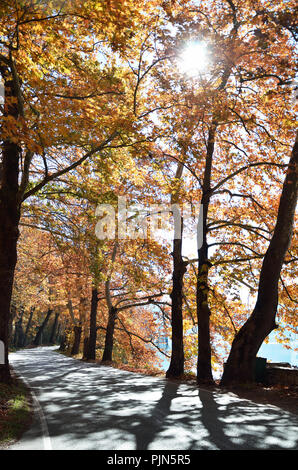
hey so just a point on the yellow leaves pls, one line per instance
(79, 76)
(290, 123)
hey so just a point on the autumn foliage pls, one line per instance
(95, 107)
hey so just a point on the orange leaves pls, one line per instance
(97, 67)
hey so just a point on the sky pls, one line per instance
(275, 352)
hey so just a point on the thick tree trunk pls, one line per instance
(38, 338)
(109, 339)
(176, 367)
(204, 369)
(239, 368)
(85, 347)
(77, 340)
(54, 329)
(9, 218)
(28, 326)
(93, 331)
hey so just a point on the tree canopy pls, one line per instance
(100, 109)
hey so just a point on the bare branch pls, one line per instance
(55, 175)
(287, 292)
(237, 244)
(246, 167)
(250, 228)
(148, 341)
(226, 310)
(245, 196)
(138, 303)
(236, 260)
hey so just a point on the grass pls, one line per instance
(15, 411)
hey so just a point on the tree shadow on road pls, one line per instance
(88, 406)
(234, 423)
(152, 425)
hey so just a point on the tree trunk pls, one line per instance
(204, 369)
(77, 340)
(28, 326)
(13, 313)
(83, 323)
(58, 335)
(85, 347)
(176, 367)
(9, 218)
(63, 342)
(239, 368)
(54, 329)
(109, 339)
(38, 338)
(93, 331)
(19, 332)
(15, 336)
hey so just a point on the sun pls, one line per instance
(194, 59)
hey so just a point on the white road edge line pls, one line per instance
(44, 426)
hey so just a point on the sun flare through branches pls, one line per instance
(194, 59)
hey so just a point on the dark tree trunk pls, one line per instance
(28, 326)
(109, 339)
(58, 335)
(15, 336)
(204, 369)
(77, 340)
(176, 367)
(239, 368)
(9, 217)
(13, 313)
(63, 342)
(19, 332)
(38, 338)
(93, 331)
(85, 347)
(54, 329)
(64, 336)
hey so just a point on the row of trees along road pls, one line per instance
(96, 107)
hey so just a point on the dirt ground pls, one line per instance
(285, 398)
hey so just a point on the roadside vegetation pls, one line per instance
(15, 411)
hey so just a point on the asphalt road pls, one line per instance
(86, 406)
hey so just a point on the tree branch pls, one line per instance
(55, 175)
(246, 167)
